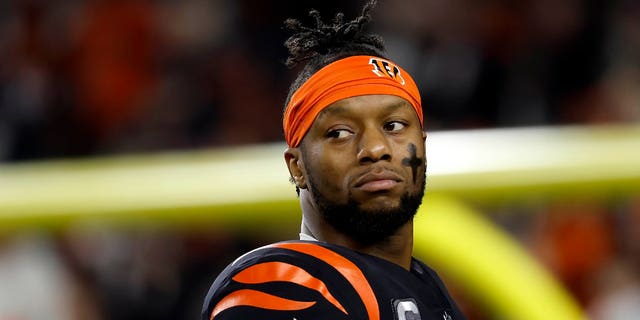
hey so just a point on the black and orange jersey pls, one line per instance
(315, 280)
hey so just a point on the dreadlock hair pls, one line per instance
(324, 43)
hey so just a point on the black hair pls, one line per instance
(324, 43)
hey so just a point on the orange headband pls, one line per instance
(345, 78)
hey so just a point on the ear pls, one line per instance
(424, 143)
(293, 158)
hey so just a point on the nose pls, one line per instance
(373, 146)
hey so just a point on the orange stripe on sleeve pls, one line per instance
(348, 269)
(253, 298)
(281, 271)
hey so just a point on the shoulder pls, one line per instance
(286, 279)
(424, 271)
(429, 275)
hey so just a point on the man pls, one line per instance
(353, 123)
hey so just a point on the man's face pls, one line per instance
(364, 159)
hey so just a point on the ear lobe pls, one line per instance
(293, 159)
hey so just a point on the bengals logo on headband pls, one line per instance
(384, 68)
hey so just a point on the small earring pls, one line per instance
(299, 183)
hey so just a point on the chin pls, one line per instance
(380, 205)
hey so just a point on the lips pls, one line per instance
(378, 181)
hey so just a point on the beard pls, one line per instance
(367, 227)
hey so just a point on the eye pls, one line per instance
(338, 133)
(394, 126)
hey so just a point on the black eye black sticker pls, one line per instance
(413, 161)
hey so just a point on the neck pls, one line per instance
(397, 248)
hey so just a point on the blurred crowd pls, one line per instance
(98, 77)
(87, 77)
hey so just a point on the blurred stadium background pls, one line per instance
(140, 151)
